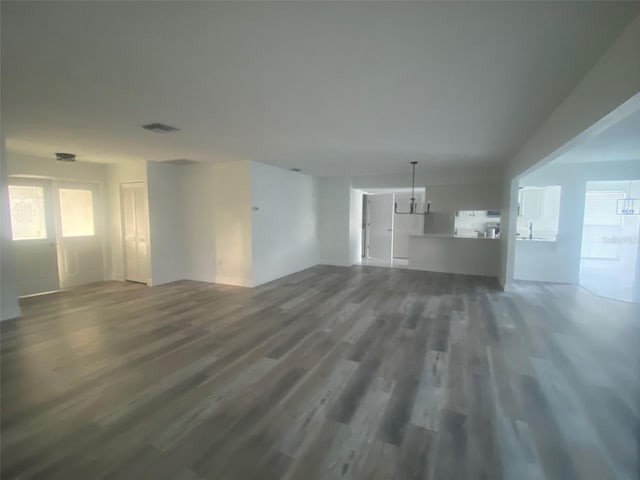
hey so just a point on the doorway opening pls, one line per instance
(57, 234)
(385, 233)
(609, 259)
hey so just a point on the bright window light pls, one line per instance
(76, 212)
(539, 212)
(26, 203)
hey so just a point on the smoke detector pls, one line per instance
(65, 157)
(160, 128)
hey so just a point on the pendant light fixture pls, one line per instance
(413, 207)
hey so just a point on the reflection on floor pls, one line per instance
(610, 279)
(393, 263)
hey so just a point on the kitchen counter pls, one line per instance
(451, 254)
(534, 239)
(450, 236)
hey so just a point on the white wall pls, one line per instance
(508, 221)
(166, 225)
(609, 92)
(430, 176)
(20, 164)
(134, 171)
(479, 196)
(215, 222)
(200, 222)
(560, 261)
(9, 307)
(203, 227)
(334, 204)
(355, 226)
(612, 81)
(448, 190)
(231, 210)
(199, 198)
(636, 281)
(284, 222)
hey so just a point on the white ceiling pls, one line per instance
(332, 88)
(620, 142)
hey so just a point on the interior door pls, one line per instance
(406, 225)
(80, 247)
(34, 236)
(135, 231)
(381, 226)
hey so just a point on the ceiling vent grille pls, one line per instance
(182, 161)
(160, 128)
(65, 157)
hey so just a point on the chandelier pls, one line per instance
(413, 206)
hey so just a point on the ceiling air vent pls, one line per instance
(181, 161)
(65, 157)
(160, 128)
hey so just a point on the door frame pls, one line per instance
(365, 226)
(50, 216)
(123, 185)
(368, 226)
(98, 220)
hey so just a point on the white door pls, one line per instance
(135, 231)
(406, 225)
(381, 226)
(34, 236)
(80, 248)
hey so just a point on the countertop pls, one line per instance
(449, 235)
(534, 239)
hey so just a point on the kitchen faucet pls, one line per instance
(530, 230)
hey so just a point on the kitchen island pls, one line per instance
(454, 254)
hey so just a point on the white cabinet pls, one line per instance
(531, 202)
(539, 208)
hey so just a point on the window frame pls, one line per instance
(49, 211)
(92, 191)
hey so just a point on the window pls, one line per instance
(605, 233)
(539, 212)
(26, 204)
(76, 212)
(600, 208)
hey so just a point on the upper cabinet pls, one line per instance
(531, 202)
(539, 211)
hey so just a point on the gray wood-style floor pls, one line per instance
(360, 373)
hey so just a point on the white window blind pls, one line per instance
(600, 208)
